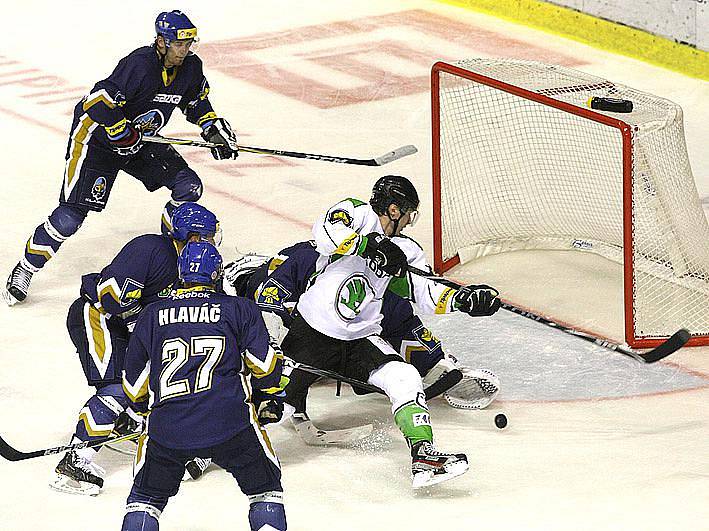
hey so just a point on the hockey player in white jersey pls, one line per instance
(337, 319)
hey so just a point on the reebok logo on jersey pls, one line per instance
(167, 98)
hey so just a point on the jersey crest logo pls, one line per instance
(164, 293)
(272, 296)
(98, 190)
(132, 290)
(150, 122)
(342, 216)
(351, 296)
(426, 338)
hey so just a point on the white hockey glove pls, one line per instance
(476, 390)
(219, 132)
(236, 273)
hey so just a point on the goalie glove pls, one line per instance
(219, 131)
(477, 300)
(384, 255)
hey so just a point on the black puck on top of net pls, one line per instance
(610, 104)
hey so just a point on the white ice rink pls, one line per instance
(596, 441)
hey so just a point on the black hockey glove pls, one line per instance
(269, 406)
(219, 132)
(126, 141)
(385, 255)
(477, 300)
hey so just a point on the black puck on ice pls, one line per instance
(500, 420)
(610, 104)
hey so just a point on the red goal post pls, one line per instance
(521, 162)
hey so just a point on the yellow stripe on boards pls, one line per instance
(596, 32)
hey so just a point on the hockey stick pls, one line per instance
(443, 384)
(386, 158)
(12, 454)
(671, 345)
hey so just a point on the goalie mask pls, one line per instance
(397, 190)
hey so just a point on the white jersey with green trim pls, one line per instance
(345, 299)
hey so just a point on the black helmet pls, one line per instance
(394, 189)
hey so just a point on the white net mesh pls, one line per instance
(516, 173)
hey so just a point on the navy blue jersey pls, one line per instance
(142, 90)
(192, 355)
(142, 272)
(286, 278)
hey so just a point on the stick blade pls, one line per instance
(9, 453)
(444, 383)
(673, 344)
(398, 153)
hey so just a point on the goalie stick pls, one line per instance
(438, 387)
(314, 436)
(12, 454)
(386, 158)
(673, 343)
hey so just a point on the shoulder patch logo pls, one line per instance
(341, 216)
(272, 296)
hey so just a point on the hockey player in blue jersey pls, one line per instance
(204, 361)
(136, 100)
(277, 282)
(99, 324)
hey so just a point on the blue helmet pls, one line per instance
(174, 25)
(200, 262)
(192, 218)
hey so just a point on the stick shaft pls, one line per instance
(674, 343)
(440, 386)
(379, 161)
(12, 454)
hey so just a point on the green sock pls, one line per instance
(414, 422)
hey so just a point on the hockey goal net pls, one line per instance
(520, 162)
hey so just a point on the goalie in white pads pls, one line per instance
(363, 262)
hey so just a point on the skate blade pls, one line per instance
(428, 478)
(68, 485)
(8, 298)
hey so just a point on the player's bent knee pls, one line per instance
(141, 517)
(66, 220)
(266, 512)
(399, 380)
(188, 186)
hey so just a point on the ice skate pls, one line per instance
(195, 468)
(77, 475)
(18, 284)
(429, 466)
